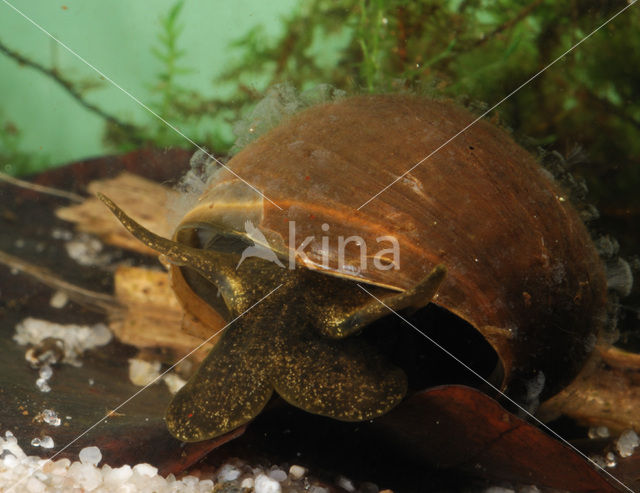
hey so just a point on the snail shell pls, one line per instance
(521, 265)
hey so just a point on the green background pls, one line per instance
(116, 37)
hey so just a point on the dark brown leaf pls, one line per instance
(462, 428)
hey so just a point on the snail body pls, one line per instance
(520, 265)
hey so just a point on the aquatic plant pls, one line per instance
(12, 159)
(474, 51)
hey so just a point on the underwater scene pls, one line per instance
(324, 246)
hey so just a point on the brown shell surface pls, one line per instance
(522, 268)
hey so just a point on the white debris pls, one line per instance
(598, 432)
(534, 389)
(50, 417)
(346, 484)
(9, 461)
(46, 372)
(190, 481)
(204, 485)
(19, 472)
(87, 250)
(59, 299)
(86, 475)
(90, 455)
(42, 381)
(264, 484)
(47, 442)
(627, 442)
(42, 385)
(619, 276)
(61, 234)
(34, 485)
(297, 472)
(499, 489)
(145, 470)
(278, 475)
(319, 489)
(143, 372)
(115, 477)
(77, 338)
(174, 382)
(10, 444)
(610, 460)
(227, 473)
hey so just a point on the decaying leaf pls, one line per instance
(462, 428)
(153, 316)
(607, 395)
(147, 198)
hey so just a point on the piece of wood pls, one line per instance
(153, 316)
(147, 201)
(607, 393)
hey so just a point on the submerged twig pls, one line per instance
(41, 188)
(71, 89)
(92, 299)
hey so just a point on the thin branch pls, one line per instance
(91, 299)
(41, 188)
(70, 88)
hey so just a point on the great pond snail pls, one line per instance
(477, 228)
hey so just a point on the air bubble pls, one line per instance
(44, 442)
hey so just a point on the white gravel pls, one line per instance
(90, 455)
(297, 472)
(30, 474)
(627, 442)
(264, 484)
(142, 372)
(21, 473)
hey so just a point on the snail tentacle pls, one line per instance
(411, 300)
(203, 261)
